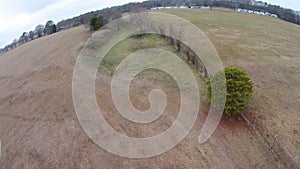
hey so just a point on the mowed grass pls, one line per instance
(268, 49)
(238, 34)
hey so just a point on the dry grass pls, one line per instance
(39, 128)
(268, 48)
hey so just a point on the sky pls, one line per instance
(291, 4)
(21, 16)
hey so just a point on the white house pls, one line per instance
(258, 3)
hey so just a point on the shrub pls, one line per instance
(96, 23)
(239, 89)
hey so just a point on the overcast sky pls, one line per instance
(23, 15)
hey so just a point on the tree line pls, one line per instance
(39, 31)
(282, 13)
(97, 19)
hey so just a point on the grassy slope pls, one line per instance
(233, 144)
(39, 128)
(134, 44)
(268, 49)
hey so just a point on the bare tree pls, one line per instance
(137, 8)
(177, 37)
(31, 35)
(115, 15)
(39, 30)
(139, 18)
(23, 38)
(15, 43)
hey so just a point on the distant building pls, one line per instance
(183, 7)
(273, 15)
(195, 7)
(256, 12)
(172, 7)
(258, 3)
(205, 7)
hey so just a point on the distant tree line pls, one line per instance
(112, 13)
(39, 31)
(102, 17)
(282, 13)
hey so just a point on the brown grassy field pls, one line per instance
(39, 127)
(268, 49)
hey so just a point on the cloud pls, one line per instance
(17, 17)
(20, 17)
(292, 4)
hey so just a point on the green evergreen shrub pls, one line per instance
(239, 89)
